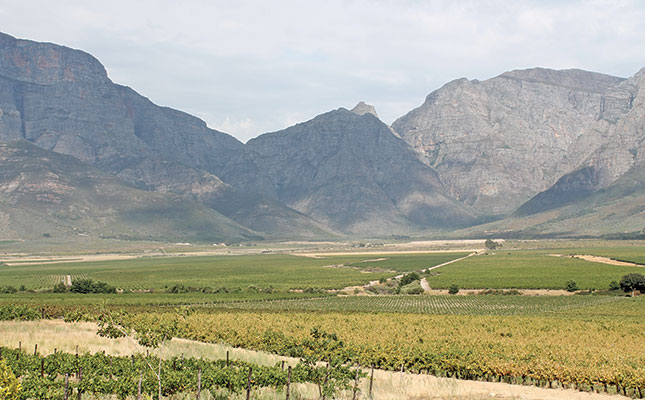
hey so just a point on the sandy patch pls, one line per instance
(381, 252)
(607, 260)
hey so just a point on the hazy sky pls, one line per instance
(248, 67)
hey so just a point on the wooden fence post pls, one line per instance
(288, 381)
(80, 378)
(66, 386)
(199, 383)
(227, 360)
(355, 390)
(42, 367)
(19, 346)
(371, 380)
(139, 386)
(36, 349)
(248, 385)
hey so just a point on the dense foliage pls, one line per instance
(44, 377)
(633, 282)
(9, 385)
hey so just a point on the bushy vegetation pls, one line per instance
(453, 289)
(85, 286)
(9, 385)
(105, 375)
(571, 286)
(630, 283)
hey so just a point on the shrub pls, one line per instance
(633, 282)
(453, 289)
(491, 244)
(86, 286)
(409, 278)
(571, 286)
(60, 288)
(415, 290)
(613, 285)
(8, 289)
(9, 384)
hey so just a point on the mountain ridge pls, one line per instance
(517, 147)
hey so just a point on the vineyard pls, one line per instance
(58, 376)
(280, 303)
(590, 351)
(527, 270)
(468, 305)
(280, 272)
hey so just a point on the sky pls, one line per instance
(249, 67)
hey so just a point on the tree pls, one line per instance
(633, 282)
(9, 384)
(409, 278)
(453, 289)
(491, 244)
(572, 286)
(613, 285)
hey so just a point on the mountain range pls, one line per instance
(527, 153)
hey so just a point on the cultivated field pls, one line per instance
(292, 305)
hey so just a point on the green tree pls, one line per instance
(9, 384)
(572, 286)
(453, 289)
(491, 244)
(633, 282)
(409, 278)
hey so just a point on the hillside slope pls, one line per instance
(43, 193)
(350, 172)
(62, 100)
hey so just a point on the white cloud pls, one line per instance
(247, 67)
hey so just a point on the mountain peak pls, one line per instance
(571, 78)
(362, 108)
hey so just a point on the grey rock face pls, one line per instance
(361, 109)
(61, 100)
(497, 143)
(349, 172)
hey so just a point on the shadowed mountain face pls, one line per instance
(350, 172)
(46, 193)
(62, 100)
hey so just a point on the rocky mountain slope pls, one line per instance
(47, 194)
(350, 172)
(62, 100)
(618, 209)
(498, 143)
(540, 151)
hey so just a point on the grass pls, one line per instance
(527, 270)
(281, 272)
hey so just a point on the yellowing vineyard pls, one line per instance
(588, 353)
